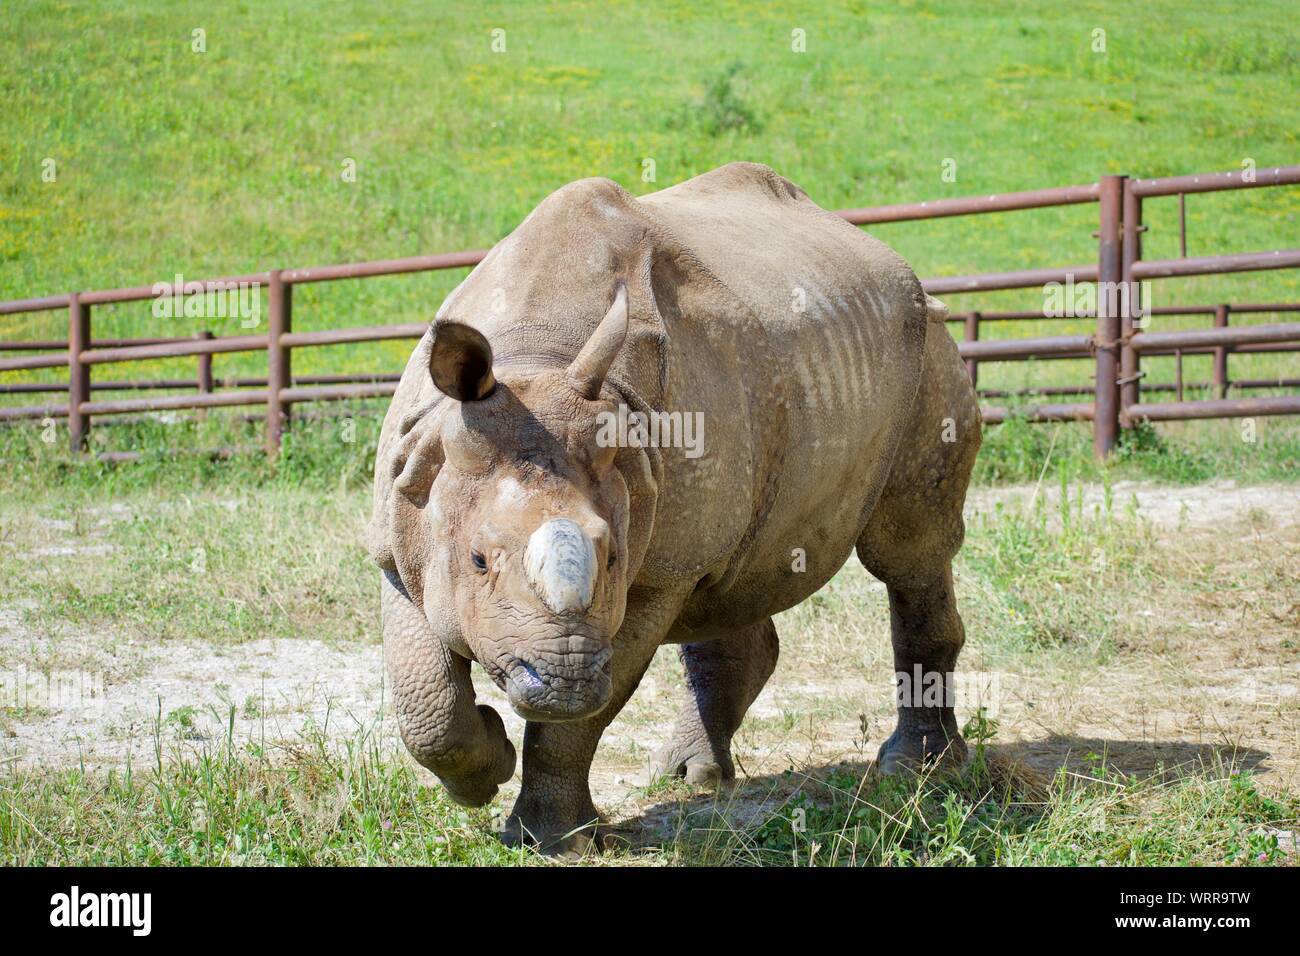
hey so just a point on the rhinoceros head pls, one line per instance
(521, 548)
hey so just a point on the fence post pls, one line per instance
(205, 373)
(78, 371)
(205, 365)
(280, 321)
(1130, 371)
(973, 335)
(1109, 249)
(1221, 354)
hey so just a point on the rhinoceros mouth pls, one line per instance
(557, 686)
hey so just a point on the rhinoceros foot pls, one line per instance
(554, 832)
(693, 759)
(910, 749)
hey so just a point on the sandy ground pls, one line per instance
(1217, 690)
(1206, 506)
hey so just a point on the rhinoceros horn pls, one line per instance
(589, 369)
(460, 361)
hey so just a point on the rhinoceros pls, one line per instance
(517, 529)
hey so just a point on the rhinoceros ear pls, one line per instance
(460, 361)
(589, 369)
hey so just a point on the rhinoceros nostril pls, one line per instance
(558, 683)
(527, 678)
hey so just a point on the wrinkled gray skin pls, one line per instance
(837, 416)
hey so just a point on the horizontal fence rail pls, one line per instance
(972, 205)
(1116, 347)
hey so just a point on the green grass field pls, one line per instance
(230, 160)
(310, 806)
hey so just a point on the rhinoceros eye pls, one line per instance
(480, 562)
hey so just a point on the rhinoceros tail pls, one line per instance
(935, 310)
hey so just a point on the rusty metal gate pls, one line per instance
(1117, 346)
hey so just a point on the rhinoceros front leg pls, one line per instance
(723, 677)
(554, 810)
(463, 743)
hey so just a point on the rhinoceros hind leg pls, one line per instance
(909, 541)
(928, 635)
(723, 676)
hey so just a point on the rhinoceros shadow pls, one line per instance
(1145, 759)
(1028, 767)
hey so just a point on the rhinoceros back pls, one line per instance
(842, 308)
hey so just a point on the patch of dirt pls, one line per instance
(132, 701)
(1208, 505)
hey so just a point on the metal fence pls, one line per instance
(1117, 346)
